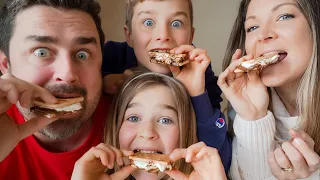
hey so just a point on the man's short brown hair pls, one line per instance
(130, 4)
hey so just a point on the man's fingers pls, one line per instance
(176, 174)
(123, 173)
(34, 125)
(45, 95)
(9, 90)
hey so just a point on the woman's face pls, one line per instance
(150, 124)
(279, 25)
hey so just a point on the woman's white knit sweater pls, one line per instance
(255, 139)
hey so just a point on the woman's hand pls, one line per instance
(295, 159)
(245, 91)
(205, 161)
(93, 164)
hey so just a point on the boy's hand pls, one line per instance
(113, 82)
(192, 75)
(205, 161)
(245, 91)
(13, 91)
(93, 164)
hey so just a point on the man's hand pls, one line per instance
(13, 91)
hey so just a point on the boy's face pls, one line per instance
(159, 25)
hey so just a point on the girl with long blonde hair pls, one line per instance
(153, 112)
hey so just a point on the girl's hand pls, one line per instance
(205, 161)
(295, 159)
(94, 163)
(245, 91)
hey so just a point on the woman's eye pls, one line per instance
(176, 24)
(148, 22)
(165, 121)
(252, 28)
(133, 119)
(285, 16)
(82, 55)
(42, 52)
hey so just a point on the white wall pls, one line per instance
(213, 20)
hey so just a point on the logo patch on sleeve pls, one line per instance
(220, 123)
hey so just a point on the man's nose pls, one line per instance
(66, 70)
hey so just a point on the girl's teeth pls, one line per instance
(149, 152)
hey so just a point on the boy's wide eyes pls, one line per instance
(176, 24)
(148, 22)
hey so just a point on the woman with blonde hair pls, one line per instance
(153, 112)
(277, 126)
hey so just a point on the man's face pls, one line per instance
(59, 50)
(161, 25)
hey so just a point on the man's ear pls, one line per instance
(192, 35)
(4, 63)
(127, 34)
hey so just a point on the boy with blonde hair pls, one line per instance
(168, 25)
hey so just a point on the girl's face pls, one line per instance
(279, 25)
(150, 124)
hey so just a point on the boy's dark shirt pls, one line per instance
(118, 57)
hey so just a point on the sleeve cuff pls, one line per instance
(202, 106)
(258, 133)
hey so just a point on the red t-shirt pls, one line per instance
(29, 161)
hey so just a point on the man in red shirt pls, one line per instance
(49, 48)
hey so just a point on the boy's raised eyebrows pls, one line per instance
(179, 13)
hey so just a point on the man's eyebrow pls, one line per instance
(42, 39)
(85, 40)
(273, 9)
